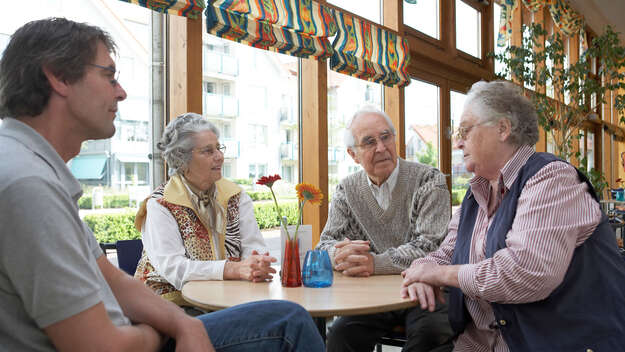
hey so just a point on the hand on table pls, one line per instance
(353, 258)
(256, 267)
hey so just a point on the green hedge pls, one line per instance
(457, 195)
(260, 195)
(110, 201)
(110, 228)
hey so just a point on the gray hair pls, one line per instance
(348, 135)
(177, 141)
(63, 46)
(493, 101)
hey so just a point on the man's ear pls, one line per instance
(353, 154)
(59, 86)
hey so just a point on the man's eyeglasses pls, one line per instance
(369, 143)
(210, 151)
(463, 131)
(114, 73)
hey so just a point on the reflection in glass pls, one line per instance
(423, 16)
(468, 29)
(459, 175)
(421, 102)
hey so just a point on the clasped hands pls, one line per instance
(257, 267)
(353, 258)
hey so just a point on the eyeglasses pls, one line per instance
(115, 73)
(210, 151)
(463, 131)
(369, 143)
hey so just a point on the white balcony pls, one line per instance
(220, 63)
(220, 105)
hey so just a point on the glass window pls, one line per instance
(255, 105)
(422, 112)
(423, 16)
(590, 149)
(468, 29)
(460, 177)
(499, 66)
(369, 9)
(346, 95)
(130, 26)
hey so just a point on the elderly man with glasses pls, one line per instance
(380, 220)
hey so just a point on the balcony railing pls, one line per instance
(220, 63)
(220, 105)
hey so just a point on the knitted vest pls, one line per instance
(585, 312)
(196, 236)
(389, 228)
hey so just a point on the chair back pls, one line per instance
(128, 255)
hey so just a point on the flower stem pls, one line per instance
(299, 218)
(281, 219)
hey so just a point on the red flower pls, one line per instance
(268, 180)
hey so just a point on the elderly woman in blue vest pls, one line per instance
(198, 226)
(530, 259)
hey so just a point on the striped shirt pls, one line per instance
(555, 214)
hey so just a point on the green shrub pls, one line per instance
(267, 216)
(457, 195)
(84, 202)
(260, 195)
(110, 201)
(242, 181)
(110, 228)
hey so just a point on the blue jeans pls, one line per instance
(261, 326)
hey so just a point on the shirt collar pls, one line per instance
(391, 181)
(33, 141)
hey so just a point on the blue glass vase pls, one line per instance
(317, 271)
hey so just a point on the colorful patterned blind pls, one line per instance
(296, 27)
(188, 8)
(367, 51)
(564, 17)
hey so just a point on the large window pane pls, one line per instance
(369, 9)
(251, 95)
(118, 167)
(468, 25)
(499, 50)
(459, 175)
(346, 95)
(423, 16)
(421, 128)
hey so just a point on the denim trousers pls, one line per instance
(270, 325)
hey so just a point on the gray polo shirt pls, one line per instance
(48, 269)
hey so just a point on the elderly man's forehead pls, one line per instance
(368, 120)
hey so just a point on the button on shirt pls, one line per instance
(382, 194)
(540, 245)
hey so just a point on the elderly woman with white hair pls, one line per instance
(198, 226)
(530, 259)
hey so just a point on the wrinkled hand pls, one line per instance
(425, 294)
(193, 338)
(424, 272)
(353, 258)
(257, 267)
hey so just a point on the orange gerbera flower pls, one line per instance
(308, 192)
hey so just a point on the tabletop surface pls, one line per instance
(346, 296)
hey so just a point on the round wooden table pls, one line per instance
(346, 296)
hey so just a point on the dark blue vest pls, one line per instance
(586, 311)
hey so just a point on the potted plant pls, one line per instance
(575, 93)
